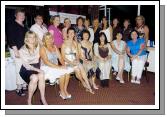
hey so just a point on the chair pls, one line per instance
(145, 66)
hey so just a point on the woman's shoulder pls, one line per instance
(23, 50)
(108, 45)
(122, 41)
(51, 27)
(90, 43)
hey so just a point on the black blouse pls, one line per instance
(16, 34)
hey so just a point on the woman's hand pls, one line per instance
(63, 67)
(133, 57)
(39, 71)
(86, 61)
(75, 62)
(16, 52)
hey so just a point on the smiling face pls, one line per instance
(126, 23)
(86, 23)
(71, 34)
(104, 21)
(139, 20)
(56, 21)
(95, 23)
(134, 35)
(39, 20)
(67, 23)
(48, 40)
(115, 22)
(119, 36)
(85, 36)
(80, 22)
(20, 16)
(30, 39)
(102, 39)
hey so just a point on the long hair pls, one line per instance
(26, 39)
(142, 17)
(71, 28)
(80, 18)
(103, 24)
(47, 35)
(102, 34)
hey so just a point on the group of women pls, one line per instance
(53, 54)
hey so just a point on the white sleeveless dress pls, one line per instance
(53, 73)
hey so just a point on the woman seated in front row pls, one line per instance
(49, 64)
(102, 51)
(120, 60)
(70, 54)
(30, 70)
(136, 49)
(86, 56)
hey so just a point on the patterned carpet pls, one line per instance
(116, 94)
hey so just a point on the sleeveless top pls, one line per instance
(103, 52)
(70, 53)
(140, 30)
(87, 53)
(52, 57)
(121, 46)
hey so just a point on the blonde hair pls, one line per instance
(47, 35)
(26, 39)
(142, 17)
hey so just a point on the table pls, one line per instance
(151, 59)
(10, 74)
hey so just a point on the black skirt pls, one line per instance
(25, 74)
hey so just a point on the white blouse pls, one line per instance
(28, 58)
(91, 35)
(40, 31)
(108, 35)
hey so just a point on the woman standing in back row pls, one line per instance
(55, 31)
(107, 30)
(142, 29)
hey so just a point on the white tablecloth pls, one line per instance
(151, 59)
(10, 74)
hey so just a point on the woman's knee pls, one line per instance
(34, 79)
(41, 74)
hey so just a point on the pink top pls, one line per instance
(58, 37)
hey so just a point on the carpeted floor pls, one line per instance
(116, 94)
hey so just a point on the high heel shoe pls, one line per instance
(43, 103)
(69, 96)
(63, 97)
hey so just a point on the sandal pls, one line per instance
(90, 91)
(24, 88)
(95, 87)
